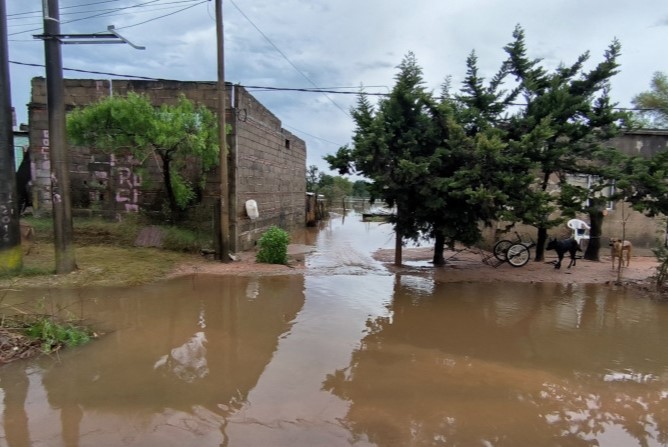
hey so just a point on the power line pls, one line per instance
(312, 136)
(330, 90)
(267, 88)
(286, 57)
(113, 11)
(163, 16)
(61, 8)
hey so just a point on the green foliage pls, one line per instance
(656, 101)
(312, 178)
(360, 189)
(454, 163)
(661, 277)
(54, 335)
(334, 188)
(181, 239)
(183, 136)
(273, 246)
(644, 184)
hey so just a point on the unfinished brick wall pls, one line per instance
(271, 169)
(267, 163)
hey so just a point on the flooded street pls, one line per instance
(346, 354)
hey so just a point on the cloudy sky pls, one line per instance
(338, 45)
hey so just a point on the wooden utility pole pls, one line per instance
(63, 232)
(223, 236)
(11, 256)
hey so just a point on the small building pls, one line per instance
(644, 232)
(267, 163)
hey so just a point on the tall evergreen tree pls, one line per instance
(385, 142)
(576, 106)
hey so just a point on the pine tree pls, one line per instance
(576, 107)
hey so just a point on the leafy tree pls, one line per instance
(182, 136)
(312, 178)
(576, 106)
(655, 101)
(334, 188)
(360, 189)
(645, 184)
(385, 142)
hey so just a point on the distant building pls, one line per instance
(268, 162)
(21, 143)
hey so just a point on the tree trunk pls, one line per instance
(540, 244)
(167, 178)
(398, 243)
(439, 246)
(594, 245)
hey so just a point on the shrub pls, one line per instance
(661, 277)
(54, 335)
(273, 246)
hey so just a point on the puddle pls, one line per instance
(346, 354)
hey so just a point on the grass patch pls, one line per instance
(91, 230)
(105, 254)
(180, 239)
(99, 265)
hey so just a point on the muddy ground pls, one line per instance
(464, 265)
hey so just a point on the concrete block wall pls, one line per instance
(267, 163)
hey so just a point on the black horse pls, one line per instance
(561, 247)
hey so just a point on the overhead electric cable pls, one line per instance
(268, 88)
(312, 136)
(111, 12)
(286, 57)
(162, 16)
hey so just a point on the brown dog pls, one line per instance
(27, 237)
(620, 249)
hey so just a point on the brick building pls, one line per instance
(267, 163)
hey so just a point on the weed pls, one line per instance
(661, 277)
(273, 246)
(54, 335)
(179, 239)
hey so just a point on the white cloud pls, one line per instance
(348, 43)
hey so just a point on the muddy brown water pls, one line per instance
(346, 354)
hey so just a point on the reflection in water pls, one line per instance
(347, 354)
(182, 356)
(524, 365)
(188, 361)
(15, 421)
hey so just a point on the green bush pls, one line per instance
(54, 335)
(273, 246)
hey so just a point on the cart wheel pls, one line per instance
(501, 249)
(518, 255)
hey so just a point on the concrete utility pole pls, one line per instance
(11, 256)
(60, 176)
(223, 254)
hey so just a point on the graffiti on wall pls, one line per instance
(128, 185)
(116, 180)
(6, 213)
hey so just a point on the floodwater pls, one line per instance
(346, 354)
